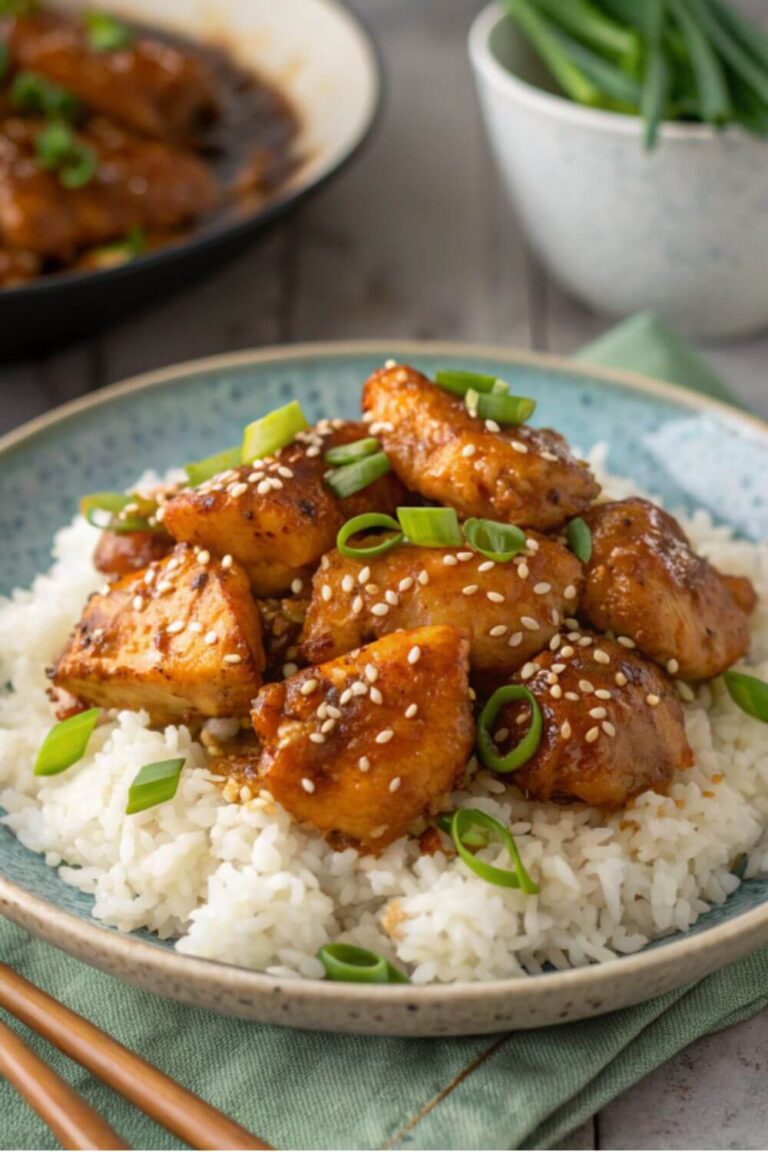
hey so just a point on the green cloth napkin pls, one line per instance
(323, 1090)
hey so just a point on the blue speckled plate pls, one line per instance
(688, 450)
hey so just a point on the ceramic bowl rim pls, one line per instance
(90, 938)
(490, 69)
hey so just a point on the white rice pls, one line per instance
(248, 885)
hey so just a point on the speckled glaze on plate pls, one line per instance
(658, 435)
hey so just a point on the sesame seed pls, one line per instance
(552, 677)
(601, 657)
(555, 642)
(297, 586)
(653, 699)
(570, 592)
(673, 667)
(246, 794)
(371, 673)
(570, 622)
(414, 655)
(492, 426)
(322, 710)
(603, 694)
(195, 626)
(334, 712)
(405, 584)
(558, 668)
(364, 575)
(380, 609)
(464, 556)
(542, 588)
(527, 671)
(523, 571)
(625, 641)
(502, 734)
(372, 589)
(411, 711)
(385, 736)
(317, 737)
(326, 593)
(149, 576)
(357, 605)
(608, 728)
(498, 630)
(556, 691)
(529, 623)
(531, 544)
(307, 785)
(378, 831)
(567, 652)
(486, 566)
(328, 725)
(346, 696)
(289, 669)
(549, 456)
(308, 687)
(286, 473)
(211, 637)
(565, 730)
(554, 617)
(620, 679)
(574, 696)
(391, 598)
(450, 560)
(359, 688)
(255, 477)
(138, 603)
(395, 784)
(390, 363)
(592, 735)
(598, 713)
(364, 764)
(586, 686)
(468, 450)
(264, 486)
(376, 696)
(495, 597)
(204, 557)
(325, 562)
(233, 658)
(347, 583)
(162, 587)
(585, 642)
(423, 577)
(515, 639)
(313, 451)
(519, 447)
(238, 489)
(470, 589)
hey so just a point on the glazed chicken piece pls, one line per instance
(277, 516)
(138, 184)
(508, 611)
(120, 553)
(17, 267)
(149, 85)
(644, 582)
(180, 639)
(613, 725)
(362, 746)
(519, 475)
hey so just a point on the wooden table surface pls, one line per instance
(415, 240)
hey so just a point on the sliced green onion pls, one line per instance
(365, 523)
(105, 33)
(522, 752)
(274, 431)
(349, 453)
(356, 965)
(58, 148)
(113, 255)
(154, 784)
(458, 382)
(201, 470)
(4, 59)
(503, 409)
(114, 503)
(472, 838)
(495, 541)
(431, 527)
(37, 95)
(464, 823)
(353, 478)
(749, 692)
(66, 743)
(580, 539)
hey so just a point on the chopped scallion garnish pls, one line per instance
(459, 383)
(527, 747)
(105, 33)
(365, 523)
(272, 432)
(494, 540)
(201, 470)
(580, 539)
(749, 692)
(154, 784)
(356, 965)
(349, 453)
(464, 826)
(35, 94)
(66, 743)
(58, 148)
(352, 478)
(115, 504)
(431, 527)
(504, 409)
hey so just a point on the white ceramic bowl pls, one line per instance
(682, 230)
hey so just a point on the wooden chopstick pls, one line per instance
(70, 1118)
(178, 1110)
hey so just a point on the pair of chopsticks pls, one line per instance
(66, 1113)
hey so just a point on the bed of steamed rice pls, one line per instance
(248, 885)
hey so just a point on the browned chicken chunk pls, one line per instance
(520, 475)
(17, 267)
(613, 725)
(644, 582)
(508, 611)
(119, 553)
(180, 639)
(362, 746)
(137, 184)
(149, 85)
(277, 516)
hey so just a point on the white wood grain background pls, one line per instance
(416, 240)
